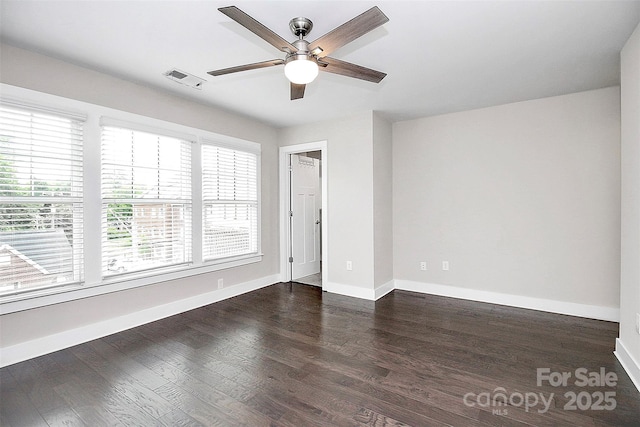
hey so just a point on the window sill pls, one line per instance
(43, 297)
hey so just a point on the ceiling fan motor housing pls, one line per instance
(301, 67)
(302, 53)
(300, 26)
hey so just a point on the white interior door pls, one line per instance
(305, 206)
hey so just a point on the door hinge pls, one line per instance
(290, 259)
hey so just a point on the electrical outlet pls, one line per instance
(423, 266)
(638, 323)
(220, 283)
(349, 266)
(445, 265)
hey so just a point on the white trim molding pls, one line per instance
(283, 176)
(629, 364)
(383, 290)
(349, 290)
(48, 344)
(369, 294)
(611, 314)
(49, 296)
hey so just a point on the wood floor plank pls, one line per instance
(216, 395)
(367, 395)
(209, 407)
(132, 368)
(97, 405)
(177, 418)
(122, 383)
(15, 406)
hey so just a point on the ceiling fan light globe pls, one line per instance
(301, 71)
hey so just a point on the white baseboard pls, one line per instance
(561, 307)
(38, 347)
(358, 292)
(349, 290)
(381, 291)
(628, 362)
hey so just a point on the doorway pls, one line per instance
(305, 225)
(303, 219)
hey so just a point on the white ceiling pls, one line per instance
(440, 56)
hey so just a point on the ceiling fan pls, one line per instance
(304, 59)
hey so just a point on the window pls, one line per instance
(230, 202)
(146, 201)
(102, 200)
(41, 163)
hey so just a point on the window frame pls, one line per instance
(94, 284)
(187, 143)
(245, 150)
(76, 121)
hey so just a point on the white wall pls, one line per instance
(350, 195)
(382, 202)
(45, 74)
(628, 345)
(522, 199)
(33, 71)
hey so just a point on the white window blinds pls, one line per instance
(230, 202)
(146, 201)
(40, 198)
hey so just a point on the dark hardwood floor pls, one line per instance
(294, 356)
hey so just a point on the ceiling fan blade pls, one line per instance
(348, 69)
(246, 67)
(258, 29)
(348, 32)
(297, 91)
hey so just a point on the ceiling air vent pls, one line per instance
(185, 78)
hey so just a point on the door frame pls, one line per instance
(285, 272)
